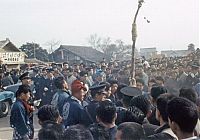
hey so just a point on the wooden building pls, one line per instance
(10, 54)
(78, 54)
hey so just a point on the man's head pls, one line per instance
(83, 76)
(114, 85)
(60, 83)
(182, 115)
(161, 106)
(142, 103)
(77, 132)
(106, 112)
(78, 90)
(160, 80)
(156, 92)
(130, 131)
(23, 92)
(48, 113)
(140, 84)
(25, 78)
(100, 76)
(98, 92)
(189, 94)
(50, 73)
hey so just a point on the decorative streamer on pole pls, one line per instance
(134, 36)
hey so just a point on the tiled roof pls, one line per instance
(87, 53)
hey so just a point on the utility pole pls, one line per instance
(134, 36)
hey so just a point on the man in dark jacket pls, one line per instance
(73, 111)
(98, 94)
(19, 119)
(163, 132)
(61, 95)
(105, 129)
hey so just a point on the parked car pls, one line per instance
(7, 98)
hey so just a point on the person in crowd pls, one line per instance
(77, 132)
(26, 80)
(50, 119)
(128, 94)
(83, 77)
(160, 81)
(20, 114)
(107, 89)
(105, 129)
(98, 94)
(130, 131)
(114, 86)
(49, 88)
(99, 77)
(156, 91)
(61, 95)
(179, 110)
(119, 95)
(73, 111)
(70, 77)
(7, 80)
(189, 94)
(139, 110)
(163, 132)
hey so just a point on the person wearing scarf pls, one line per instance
(20, 114)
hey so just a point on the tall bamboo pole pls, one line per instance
(134, 36)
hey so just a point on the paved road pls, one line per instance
(6, 130)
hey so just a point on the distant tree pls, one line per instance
(33, 50)
(52, 45)
(191, 47)
(95, 41)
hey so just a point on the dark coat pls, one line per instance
(160, 135)
(19, 120)
(59, 100)
(73, 112)
(51, 90)
(91, 111)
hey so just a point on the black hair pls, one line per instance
(189, 94)
(113, 81)
(161, 102)
(77, 132)
(160, 78)
(48, 113)
(156, 91)
(106, 111)
(51, 131)
(59, 81)
(131, 130)
(22, 89)
(83, 73)
(140, 81)
(184, 113)
(142, 103)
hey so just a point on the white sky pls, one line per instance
(174, 23)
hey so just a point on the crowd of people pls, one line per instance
(100, 101)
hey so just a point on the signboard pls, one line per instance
(12, 57)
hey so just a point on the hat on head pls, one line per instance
(131, 91)
(49, 70)
(77, 86)
(98, 89)
(25, 76)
